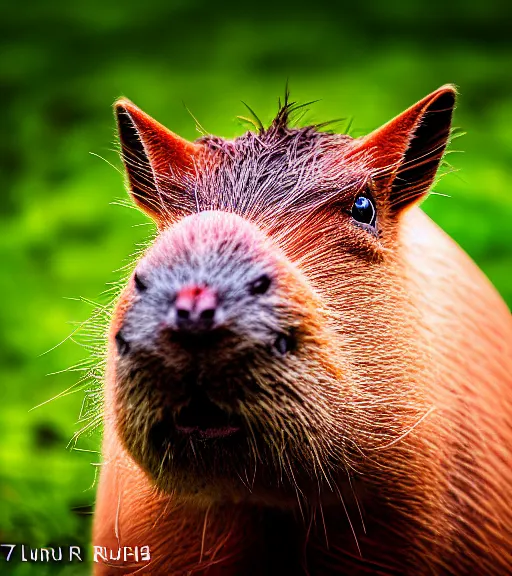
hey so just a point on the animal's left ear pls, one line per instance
(405, 153)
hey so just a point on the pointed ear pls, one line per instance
(406, 152)
(157, 162)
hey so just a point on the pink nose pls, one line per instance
(195, 306)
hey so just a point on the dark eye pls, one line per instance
(260, 285)
(284, 343)
(139, 284)
(122, 345)
(363, 211)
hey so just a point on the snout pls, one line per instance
(213, 278)
(209, 306)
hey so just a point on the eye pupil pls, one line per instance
(284, 343)
(362, 203)
(139, 284)
(363, 211)
(260, 285)
(123, 347)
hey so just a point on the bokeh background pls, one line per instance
(62, 64)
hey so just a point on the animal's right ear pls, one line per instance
(157, 161)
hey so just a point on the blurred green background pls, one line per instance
(61, 67)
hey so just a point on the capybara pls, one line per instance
(305, 374)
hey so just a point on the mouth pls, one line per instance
(201, 418)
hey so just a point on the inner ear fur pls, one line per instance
(157, 162)
(406, 152)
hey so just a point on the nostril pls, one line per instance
(182, 313)
(207, 314)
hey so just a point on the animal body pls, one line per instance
(305, 374)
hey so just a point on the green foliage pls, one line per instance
(62, 65)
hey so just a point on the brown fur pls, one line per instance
(382, 443)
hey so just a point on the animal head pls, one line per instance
(266, 341)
